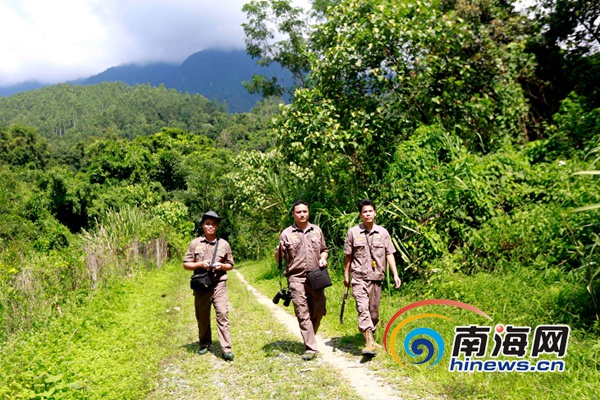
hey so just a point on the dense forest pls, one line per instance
(475, 129)
(72, 155)
(471, 124)
(213, 73)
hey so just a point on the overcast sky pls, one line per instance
(53, 41)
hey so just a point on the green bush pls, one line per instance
(482, 211)
(38, 276)
(573, 133)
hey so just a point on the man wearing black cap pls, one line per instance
(200, 257)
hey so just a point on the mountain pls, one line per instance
(155, 74)
(20, 87)
(215, 74)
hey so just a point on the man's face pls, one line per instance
(210, 226)
(368, 214)
(300, 213)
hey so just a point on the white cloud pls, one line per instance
(54, 41)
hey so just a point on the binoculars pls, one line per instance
(285, 294)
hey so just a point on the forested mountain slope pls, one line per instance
(214, 74)
(67, 114)
(82, 111)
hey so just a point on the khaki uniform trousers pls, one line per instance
(309, 306)
(368, 296)
(202, 301)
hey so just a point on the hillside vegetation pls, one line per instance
(480, 157)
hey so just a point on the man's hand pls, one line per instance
(346, 281)
(322, 262)
(284, 246)
(397, 281)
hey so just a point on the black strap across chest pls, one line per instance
(215, 252)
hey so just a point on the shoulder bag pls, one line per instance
(318, 278)
(201, 279)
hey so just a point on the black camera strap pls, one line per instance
(280, 265)
(215, 253)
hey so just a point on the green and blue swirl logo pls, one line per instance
(425, 345)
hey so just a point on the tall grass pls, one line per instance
(591, 262)
(124, 243)
(121, 244)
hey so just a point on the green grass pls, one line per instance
(521, 297)
(136, 339)
(107, 347)
(129, 341)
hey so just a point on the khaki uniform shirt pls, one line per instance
(366, 248)
(304, 250)
(201, 249)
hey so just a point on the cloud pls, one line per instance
(170, 31)
(55, 41)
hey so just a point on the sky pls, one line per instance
(53, 41)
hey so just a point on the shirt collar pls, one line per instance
(375, 229)
(205, 240)
(309, 227)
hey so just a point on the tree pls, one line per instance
(22, 146)
(565, 43)
(573, 23)
(277, 32)
(388, 67)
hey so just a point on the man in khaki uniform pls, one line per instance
(367, 248)
(199, 256)
(304, 248)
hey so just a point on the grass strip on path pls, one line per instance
(267, 362)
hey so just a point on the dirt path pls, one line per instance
(364, 381)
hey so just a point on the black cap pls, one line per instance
(212, 215)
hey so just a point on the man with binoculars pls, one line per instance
(304, 248)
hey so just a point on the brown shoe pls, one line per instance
(369, 349)
(309, 356)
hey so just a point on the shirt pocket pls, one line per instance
(359, 249)
(378, 250)
(220, 256)
(295, 247)
(315, 243)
